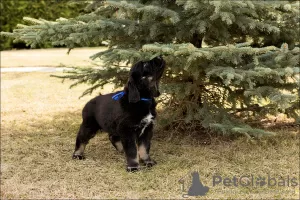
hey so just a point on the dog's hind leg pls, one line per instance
(116, 142)
(87, 130)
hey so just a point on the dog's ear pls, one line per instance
(134, 94)
(136, 73)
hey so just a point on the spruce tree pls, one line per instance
(227, 61)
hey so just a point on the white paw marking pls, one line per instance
(80, 150)
(143, 152)
(119, 146)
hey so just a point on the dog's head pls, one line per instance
(144, 79)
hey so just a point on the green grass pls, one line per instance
(39, 121)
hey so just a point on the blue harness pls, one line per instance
(119, 95)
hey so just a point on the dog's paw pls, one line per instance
(78, 157)
(150, 163)
(133, 168)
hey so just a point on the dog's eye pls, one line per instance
(147, 66)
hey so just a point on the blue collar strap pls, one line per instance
(145, 99)
(119, 95)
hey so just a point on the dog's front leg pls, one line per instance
(144, 143)
(131, 152)
(128, 135)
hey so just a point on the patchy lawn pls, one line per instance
(39, 121)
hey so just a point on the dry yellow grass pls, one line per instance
(49, 57)
(39, 120)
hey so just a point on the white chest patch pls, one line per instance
(148, 119)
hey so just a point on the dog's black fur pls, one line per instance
(128, 120)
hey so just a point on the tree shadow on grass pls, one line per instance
(63, 128)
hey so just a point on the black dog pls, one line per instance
(126, 115)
